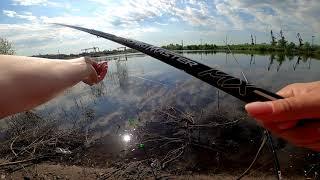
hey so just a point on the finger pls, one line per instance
(307, 136)
(286, 92)
(304, 135)
(286, 125)
(103, 62)
(99, 69)
(103, 72)
(91, 61)
(93, 77)
(295, 108)
(95, 66)
(256, 109)
(101, 75)
(288, 109)
(273, 127)
(102, 66)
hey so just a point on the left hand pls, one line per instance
(97, 71)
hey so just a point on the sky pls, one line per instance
(27, 23)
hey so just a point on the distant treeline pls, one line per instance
(91, 54)
(288, 48)
(277, 45)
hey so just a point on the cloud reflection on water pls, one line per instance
(139, 84)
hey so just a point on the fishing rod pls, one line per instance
(223, 81)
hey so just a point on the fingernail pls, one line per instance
(259, 108)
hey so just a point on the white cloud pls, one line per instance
(193, 16)
(149, 29)
(41, 3)
(30, 2)
(162, 24)
(133, 12)
(9, 13)
(36, 35)
(34, 38)
(102, 2)
(172, 19)
(289, 15)
(26, 15)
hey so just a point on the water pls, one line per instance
(137, 85)
(140, 83)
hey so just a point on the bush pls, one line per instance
(6, 47)
(291, 46)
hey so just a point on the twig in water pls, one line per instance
(11, 146)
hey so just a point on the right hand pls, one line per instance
(301, 101)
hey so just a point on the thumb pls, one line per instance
(282, 110)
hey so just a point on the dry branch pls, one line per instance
(29, 138)
(172, 137)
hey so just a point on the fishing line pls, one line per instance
(266, 137)
(264, 140)
(243, 75)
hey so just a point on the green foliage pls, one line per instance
(6, 47)
(273, 43)
(307, 46)
(289, 49)
(190, 47)
(282, 43)
(291, 46)
(174, 46)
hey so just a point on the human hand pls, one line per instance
(97, 71)
(301, 101)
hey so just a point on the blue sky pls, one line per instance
(27, 22)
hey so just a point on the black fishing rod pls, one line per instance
(225, 82)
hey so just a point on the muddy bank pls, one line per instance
(54, 171)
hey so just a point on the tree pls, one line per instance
(282, 41)
(273, 39)
(291, 46)
(6, 47)
(307, 46)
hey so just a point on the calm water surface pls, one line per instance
(141, 83)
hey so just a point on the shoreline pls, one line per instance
(213, 51)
